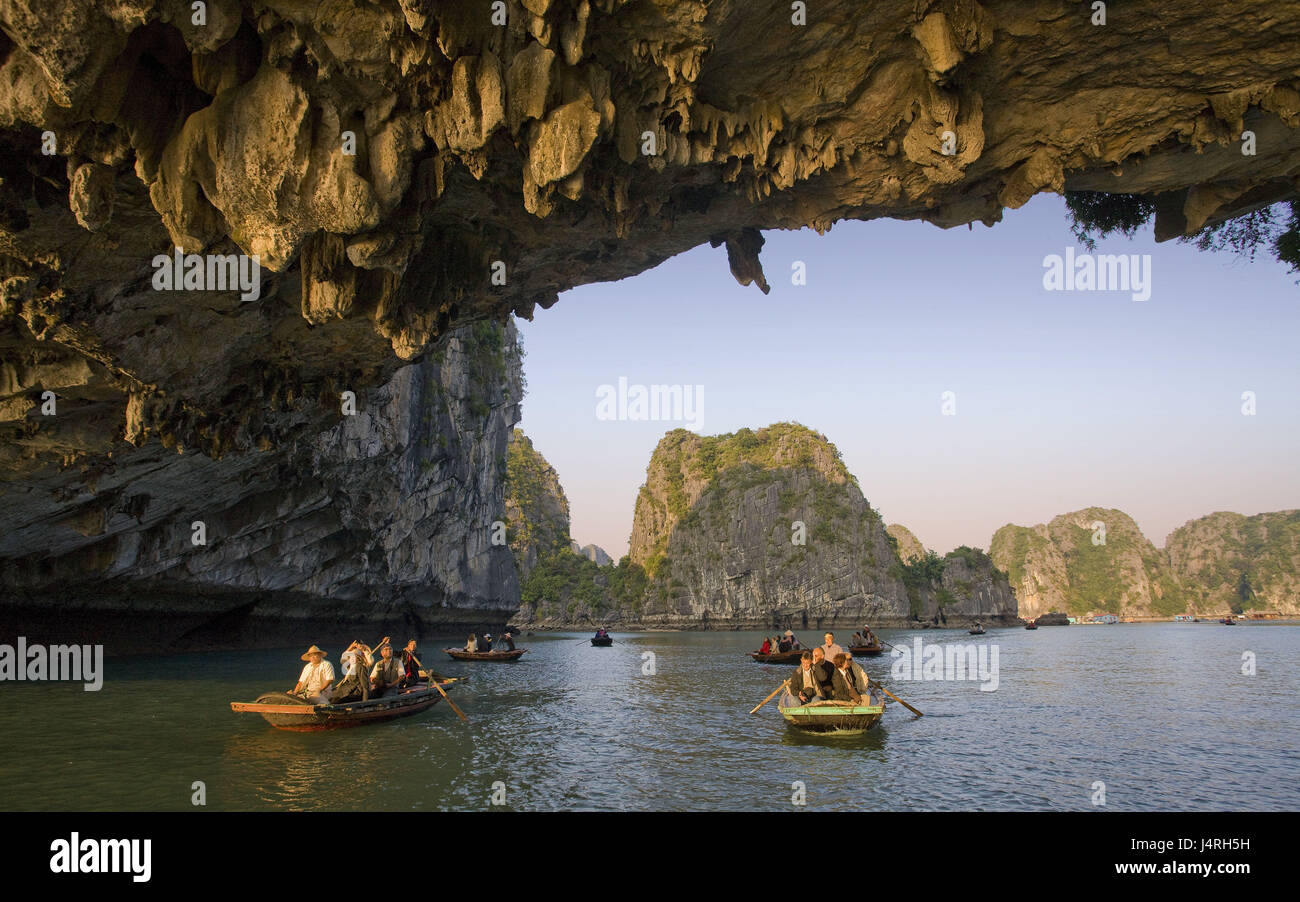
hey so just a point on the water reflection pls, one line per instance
(1148, 709)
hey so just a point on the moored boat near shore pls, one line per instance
(460, 654)
(289, 712)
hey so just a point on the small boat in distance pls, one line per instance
(778, 657)
(1228, 621)
(290, 712)
(868, 650)
(837, 718)
(459, 654)
(1030, 625)
(977, 631)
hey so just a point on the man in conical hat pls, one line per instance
(317, 678)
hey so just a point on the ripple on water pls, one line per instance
(1160, 713)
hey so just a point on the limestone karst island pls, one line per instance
(649, 405)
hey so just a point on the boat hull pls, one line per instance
(308, 718)
(603, 643)
(838, 718)
(462, 655)
(779, 657)
(792, 657)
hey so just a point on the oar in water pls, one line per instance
(772, 696)
(433, 681)
(899, 700)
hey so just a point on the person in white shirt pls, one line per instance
(317, 678)
(356, 652)
(829, 648)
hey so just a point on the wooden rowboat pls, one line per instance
(602, 641)
(978, 632)
(460, 654)
(778, 657)
(288, 712)
(1031, 625)
(869, 650)
(840, 718)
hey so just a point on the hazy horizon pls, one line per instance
(1063, 399)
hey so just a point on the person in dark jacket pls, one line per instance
(411, 668)
(485, 644)
(842, 688)
(812, 678)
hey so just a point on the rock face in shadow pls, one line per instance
(383, 519)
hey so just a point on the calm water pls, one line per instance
(1161, 713)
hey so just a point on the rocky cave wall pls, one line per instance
(404, 167)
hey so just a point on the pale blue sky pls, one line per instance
(1063, 399)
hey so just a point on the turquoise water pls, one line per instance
(1161, 714)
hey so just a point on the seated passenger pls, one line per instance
(471, 644)
(805, 684)
(766, 648)
(825, 671)
(856, 640)
(842, 688)
(410, 665)
(486, 644)
(861, 682)
(387, 676)
(317, 678)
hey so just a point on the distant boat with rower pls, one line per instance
(1030, 625)
(501, 654)
(602, 639)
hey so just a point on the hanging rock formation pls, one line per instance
(401, 168)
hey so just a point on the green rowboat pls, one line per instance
(841, 718)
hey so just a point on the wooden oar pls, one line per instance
(433, 681)
(897, 699)
(772, 696)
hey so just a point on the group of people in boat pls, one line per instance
(363, 674)
(819, 678)
(789, 642)
(475, 645)
(601, 633)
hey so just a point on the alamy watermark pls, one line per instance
(23, 662)
(952, 662)
(180, 271)
(674, 403)
(1099, 272)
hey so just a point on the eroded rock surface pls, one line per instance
(403, 167)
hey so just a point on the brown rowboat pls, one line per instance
(460, 654)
